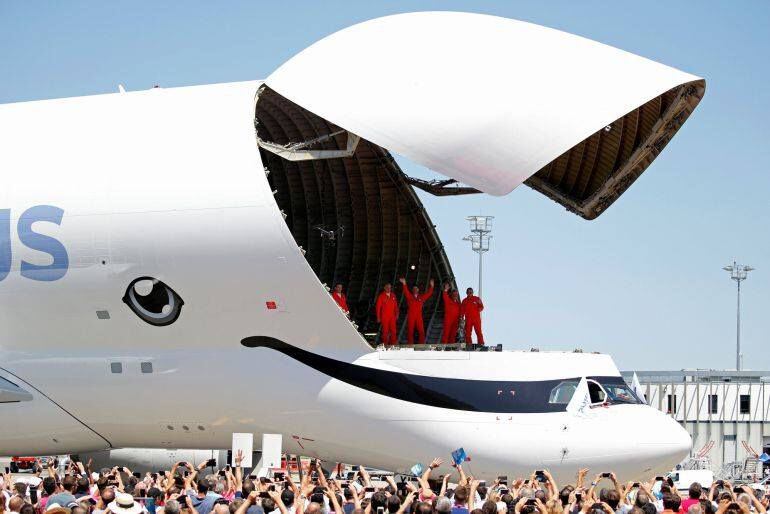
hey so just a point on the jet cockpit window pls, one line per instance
(563, 392)
(620, 393)
(597, 393)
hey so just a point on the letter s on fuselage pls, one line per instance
(34, 241)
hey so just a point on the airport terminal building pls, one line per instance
(726, 412)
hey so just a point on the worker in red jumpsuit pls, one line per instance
(451, 315)
(471, 309)
(341, 299)
(387, 314)
(415, 302)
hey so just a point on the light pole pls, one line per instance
(480, 226)
(738, 272)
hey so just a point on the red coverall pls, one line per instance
(387, 314)
(414, 314)
(451, 319)
(471, 308)
(341, 300)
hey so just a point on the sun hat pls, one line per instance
(125, 504)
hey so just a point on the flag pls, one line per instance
(458, 456)
(581, 399)
(637, 387)
(417, 469)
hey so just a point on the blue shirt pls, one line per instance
(206, 504)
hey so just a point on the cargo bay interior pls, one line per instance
(356, 215)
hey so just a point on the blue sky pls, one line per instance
(643, 282)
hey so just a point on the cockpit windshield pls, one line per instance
(602, 391)
(620, 393)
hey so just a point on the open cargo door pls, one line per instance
(493, 102)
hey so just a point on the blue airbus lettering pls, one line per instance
(35, 241)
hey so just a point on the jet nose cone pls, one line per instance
(665, 440)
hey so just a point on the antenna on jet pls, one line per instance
(121, 89)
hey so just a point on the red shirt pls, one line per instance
(451, 306)
(415, 303)
(341, 300)
(386, 306)
(471, 307)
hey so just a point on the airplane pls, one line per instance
(162, 284)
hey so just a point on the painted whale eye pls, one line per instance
(153, 301)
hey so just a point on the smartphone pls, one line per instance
(578, 496)
(211, 463)
(606, 475)
(121, 469)
(33, 495)
(137, 474)
(540, 476)
(271, 487)
(279, 476)
(738, 490)
(221, 472)
(368, 489)
(7, 470)
(504, 491)
(720, 483)
(659, 479)
(531, 501)
(161, 473)
(252, 477)
(380, 510)
(503, 479)
(186, 473)
(264, 495)
(635, 484)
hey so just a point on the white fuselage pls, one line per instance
(169, 184)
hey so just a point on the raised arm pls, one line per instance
(551, 484)
(365, 475)
(332, 500)
(444, 484)
(472, 494)
(433, 465)
(247, 502)
(463, 477)
(239, 470)
(581, 476)
(407, 502)
(429, 292)
(276, 497)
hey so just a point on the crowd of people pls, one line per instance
(456, 311)
(186, 489)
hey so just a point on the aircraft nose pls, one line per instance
(664, 439)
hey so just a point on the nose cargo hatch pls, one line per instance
(493, 102)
